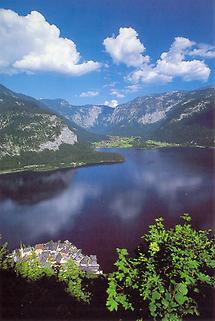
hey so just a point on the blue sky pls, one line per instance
(105, 51)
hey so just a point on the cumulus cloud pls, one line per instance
(30, 44)
(126, 48)
(112, 103)
(89, 94)
(171, 64)
(148, 74)
(204, 51)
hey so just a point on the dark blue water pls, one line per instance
(99, 208)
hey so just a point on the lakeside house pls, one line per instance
(58, 253)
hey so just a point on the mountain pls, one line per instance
(33, 137)
(178, 116)
(93, 118)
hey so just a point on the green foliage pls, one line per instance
(165, 274)
(154, 144)
(131, 141)
(66, 156)
(32, 270)
(74, 279)
(25, 125)
(116, 141)
(5, 261)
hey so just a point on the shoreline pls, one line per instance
(155, 147)
(45, 168)
(135, 143)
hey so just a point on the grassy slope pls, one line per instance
(132, 141)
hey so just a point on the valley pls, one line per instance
(44, 135)
(107, 141)
(34, 138)
(178, 117)
(132, 142)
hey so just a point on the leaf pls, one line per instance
(180, 298)
(212, 263)
(165, 302)
(152, 308)
(182, 288)
(204, 278)
(156, 295)
(186, 217)
(112, 305)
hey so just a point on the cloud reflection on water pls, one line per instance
(46, 217)
(169, 182)
(104, 198)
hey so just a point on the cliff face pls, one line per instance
(34, 138)
(179, 116)
(90, 117)
(25, 127)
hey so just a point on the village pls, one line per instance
(57, 254)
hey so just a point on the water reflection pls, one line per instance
(29, 187)
(45, 218)
(161, 179)
(100, 208)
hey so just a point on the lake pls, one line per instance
(99, 208)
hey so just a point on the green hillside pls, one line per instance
(33, 138)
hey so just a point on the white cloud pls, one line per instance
(133, 88)
(30, 44)
(204, 51)
(127, 90)
(117, 93)
(148, 74)
(172, 64)
(112, 103)
(89, 94)
(126, 48)
(110, 85)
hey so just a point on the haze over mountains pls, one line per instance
(179, 116)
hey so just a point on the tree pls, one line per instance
(32, 270)
(167, 271)
(74, 279)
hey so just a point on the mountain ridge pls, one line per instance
(34, 138)
(151, 116)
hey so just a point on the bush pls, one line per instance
(74, 279)
(32, 270)
(5, 261)
(165, 274)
